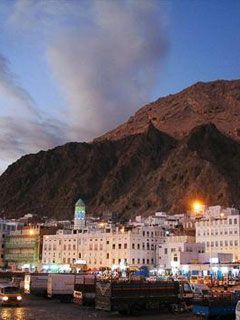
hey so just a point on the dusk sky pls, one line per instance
(71, 70)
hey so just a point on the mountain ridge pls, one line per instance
(140, 171)
(216, 101)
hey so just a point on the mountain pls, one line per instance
(135, 172)
(217, 102)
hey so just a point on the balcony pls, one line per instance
(27, 258)
(27, 244)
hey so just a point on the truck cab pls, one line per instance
(185, 292)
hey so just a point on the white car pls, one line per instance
(237, 311)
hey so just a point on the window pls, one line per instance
(235, 221)
(138, 245)
(236, 243)
(107, 255)
(226, 243)
(230, 221)
(133, 245)
(107, 241)
(133, 261)
(113, 246)
(119, 246)
(143, 261)
(165, 250)
(125, 246)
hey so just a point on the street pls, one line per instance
(43, 309)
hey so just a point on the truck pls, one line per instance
(61, 286)
(85, 290)
(222, 305)
(133, 297)
(36, 284)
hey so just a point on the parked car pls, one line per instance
(10, 295)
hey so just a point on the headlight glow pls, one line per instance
(19, 298)
(5, 298)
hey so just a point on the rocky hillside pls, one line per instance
(217, 102)
(135, 173)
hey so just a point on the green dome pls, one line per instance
(79, 203)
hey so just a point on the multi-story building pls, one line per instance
(169, 252)
(219, 231)
(6, 226)
(23, 248)
(104, 246)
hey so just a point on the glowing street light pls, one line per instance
(197, 206)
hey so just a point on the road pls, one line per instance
(43, 309)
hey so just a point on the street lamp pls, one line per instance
(197, 207)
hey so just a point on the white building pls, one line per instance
(104, 246)
(219, 231)
(179, 250)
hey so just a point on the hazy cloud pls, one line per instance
(108, 67)
(10, 88)
(25, 129)
(105, 56)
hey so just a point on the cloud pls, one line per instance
(10, 88)
(27, 136)
(109, 66)
(104, 55)
(24, 129)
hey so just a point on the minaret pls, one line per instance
(79, 214)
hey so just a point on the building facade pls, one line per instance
(23, 248)
(169, 252)
(104, 247)
(6, 226)
(219, 231)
